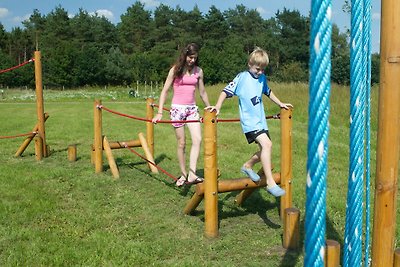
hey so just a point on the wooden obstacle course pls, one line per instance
(41, 116)
(210, 188)
(29, 139)
(101, 142)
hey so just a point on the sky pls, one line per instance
(13, 12)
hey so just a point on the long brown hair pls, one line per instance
(179, 66)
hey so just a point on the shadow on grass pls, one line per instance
(255, 204)
(162, 177)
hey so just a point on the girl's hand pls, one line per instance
(156, 118)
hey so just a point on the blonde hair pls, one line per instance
(258, 58)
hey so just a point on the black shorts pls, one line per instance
(251, 136)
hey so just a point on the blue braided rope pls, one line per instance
(353, 231)
(367, 45)
(318, 131)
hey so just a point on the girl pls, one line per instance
(185, 76)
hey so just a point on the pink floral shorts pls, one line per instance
(183, 113)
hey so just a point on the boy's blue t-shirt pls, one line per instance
(249, 91)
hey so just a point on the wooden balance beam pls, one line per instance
(245, 184)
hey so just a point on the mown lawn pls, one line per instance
(59, 213)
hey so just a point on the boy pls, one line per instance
(249, 86)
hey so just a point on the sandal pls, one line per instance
(181, 181)
(276, 191)
(251, 174)
(195, 181)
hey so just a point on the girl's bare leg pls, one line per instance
(180, 149)
(195, 133)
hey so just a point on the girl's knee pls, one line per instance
(196, 141)
(181, 144)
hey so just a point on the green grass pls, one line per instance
(59, 213)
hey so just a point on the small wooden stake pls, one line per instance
(72, 153)
(291, 232)
(332, 253)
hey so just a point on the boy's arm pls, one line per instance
(274, 99)
(217, 106)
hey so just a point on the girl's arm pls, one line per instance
(163, 95)
(202, 90)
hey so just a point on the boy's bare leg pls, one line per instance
(253, 160)
(265, 145)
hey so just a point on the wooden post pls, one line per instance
(291, 228)
(193, 203)
(148, 154)
(28, 140)
(39, 101)
(397, 258)
(123, 144)
(110, 158)
(150, 125)
(210, 175)
(72, 153)
(332, 254)
(286, 158)
(387, 153)
(242, 196)
(98, 137)
(38, 148)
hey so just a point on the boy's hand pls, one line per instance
(212, 108)
(286, 105)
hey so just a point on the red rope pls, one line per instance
(276, 116)
(146, 120)
(155, 105)
(19, 135)
(155, 165)
(18, 66)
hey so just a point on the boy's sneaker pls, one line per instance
(276, 191)
(251, 174)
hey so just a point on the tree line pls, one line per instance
(89, 50)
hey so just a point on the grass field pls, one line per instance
(59, 213)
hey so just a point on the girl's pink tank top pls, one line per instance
(184, 89)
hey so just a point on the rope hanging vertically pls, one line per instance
(318, 131)
(367, 49)
(352, 254)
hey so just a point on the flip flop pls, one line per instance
(181, 181)
(195, 181)
(276, 191)
(251, 174)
